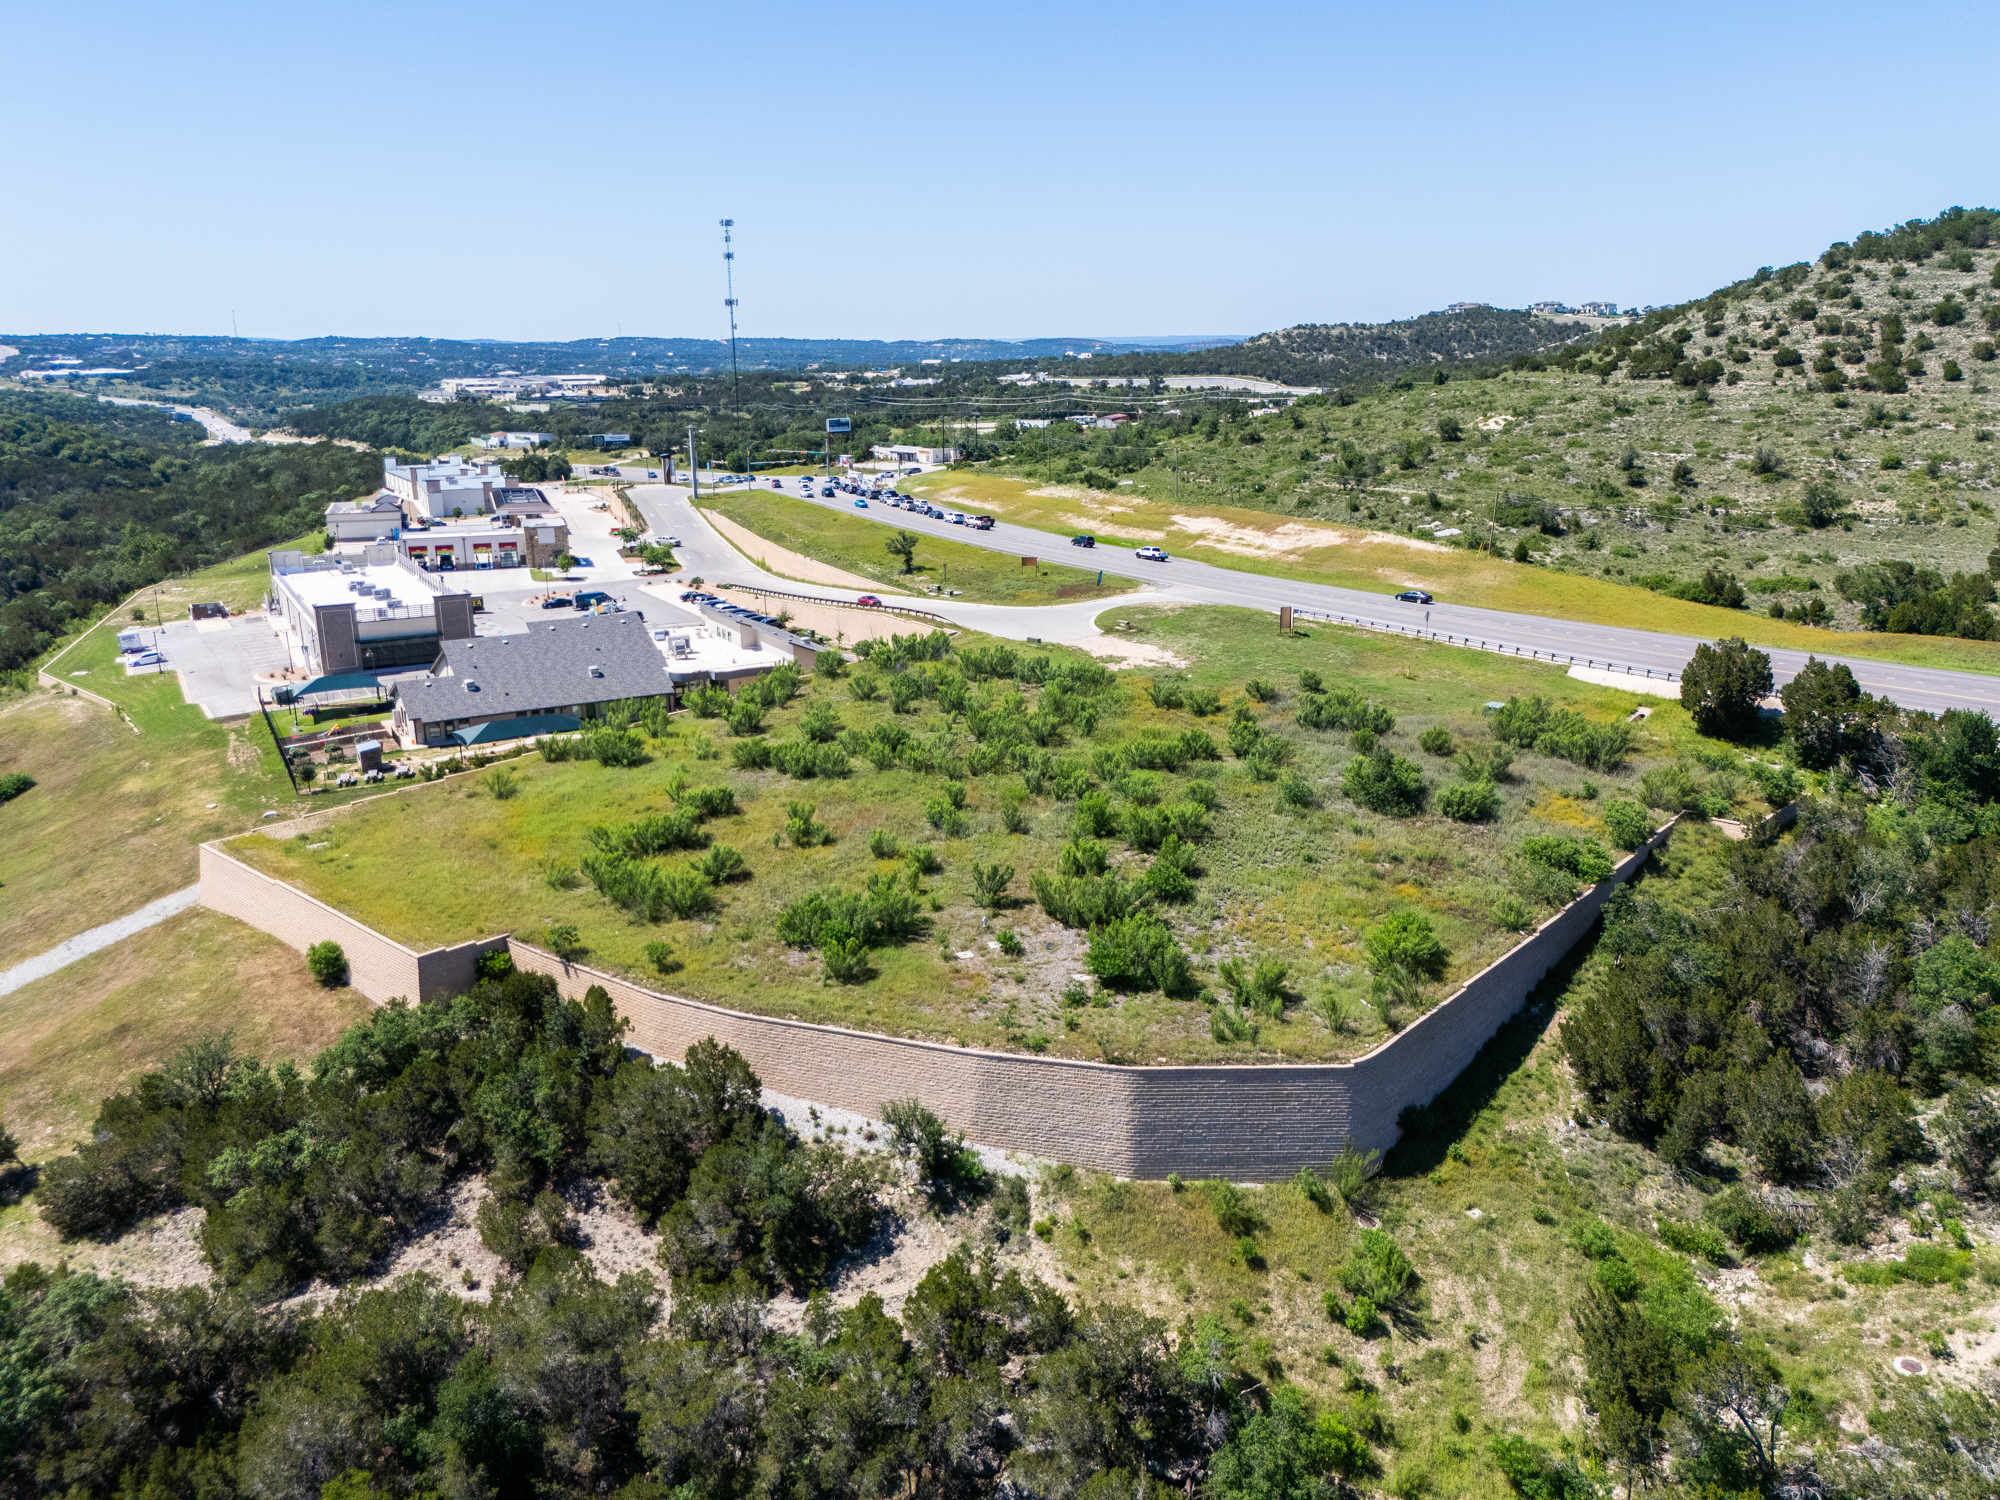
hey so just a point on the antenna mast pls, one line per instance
(729, 279)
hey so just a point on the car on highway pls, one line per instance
(1151, 554)
(981, 523)
(1083, 539)
(868, 599)
(955, 517)
(777, 484)
(652, 473)
(859, 503)
(148, 659)
(1413, 596)
(670, 541)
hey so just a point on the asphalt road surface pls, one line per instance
(669, 511)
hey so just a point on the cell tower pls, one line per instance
(729, 280)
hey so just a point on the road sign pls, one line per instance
(840, 424)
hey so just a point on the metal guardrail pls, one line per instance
(881, 609)
(1474, 643)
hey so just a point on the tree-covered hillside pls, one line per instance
(97, 500)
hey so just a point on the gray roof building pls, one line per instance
(568, 667)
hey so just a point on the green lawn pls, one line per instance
(844, 541)
(115, 816)
(448, 862)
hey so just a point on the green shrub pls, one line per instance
(1694, 1239)
(1469, 801)
(1436, 741)
(13, 784)
(327, 963)
(1570, 853)
(660, 954)
(884, 844)
(1512, 913)
(1924, 1265)
(1627, 824)
(1259, 689)
(1139, 952)
(1384, 782)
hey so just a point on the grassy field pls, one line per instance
(1322, 551)
(68, 1040)
(1486, 1213)
(449, 862)
(857, 545)
(114, 818)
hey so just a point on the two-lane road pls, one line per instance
(1182, 578)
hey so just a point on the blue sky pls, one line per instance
(904, 171)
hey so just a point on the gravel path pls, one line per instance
(85, 943)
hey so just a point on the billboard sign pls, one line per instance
(840, 424)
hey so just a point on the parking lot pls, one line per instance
(218, 660)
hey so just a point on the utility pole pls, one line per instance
(694, 466)
(729, 301)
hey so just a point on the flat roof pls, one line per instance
(324, 586)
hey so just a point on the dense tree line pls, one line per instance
(1846, 978)
(564, 1383)
(99, 500)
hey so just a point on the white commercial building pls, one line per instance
(514, 439)
(446, 487)
(379, 516)
(902, 453)
(501, 543)
(380, 614)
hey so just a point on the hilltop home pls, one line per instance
(545, 680)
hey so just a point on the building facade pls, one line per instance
(444, 488)
(377, 615)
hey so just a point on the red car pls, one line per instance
(868, 599)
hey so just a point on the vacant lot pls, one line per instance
(69, 1040)
(857, 546)
(1299, 883)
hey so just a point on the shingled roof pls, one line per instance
(595, 660)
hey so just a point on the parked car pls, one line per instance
(1414, 596)
(868, 599)
(148, 659)
(591, 598)
(1151, 554)
(558, 601)
(1083, 539)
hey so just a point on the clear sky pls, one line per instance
(903, 171)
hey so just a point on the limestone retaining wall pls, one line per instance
(1243, 1123)
(379, 967)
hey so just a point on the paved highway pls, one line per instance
(669, 510)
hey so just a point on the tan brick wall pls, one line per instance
(377, 966)
(1243, 1123)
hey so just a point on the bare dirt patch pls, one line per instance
(1287, 542)
(1132, 653)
